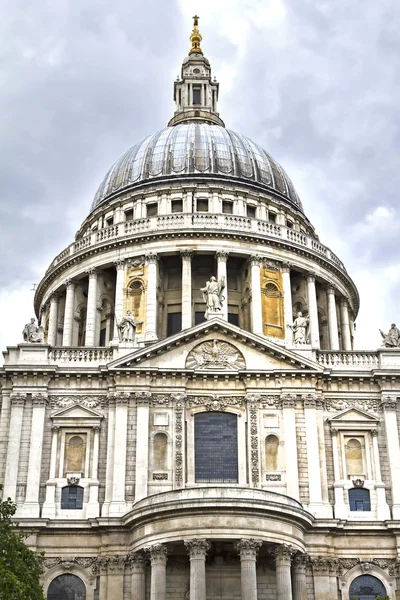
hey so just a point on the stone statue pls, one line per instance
(33, 333)
(392, 338)
(127, 328)
(212, 296)
(300, 329)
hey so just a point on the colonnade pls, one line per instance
(290, 570)
(256, 320)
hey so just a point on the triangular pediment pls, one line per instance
(215, 346)
(76, 412)
(353, 414)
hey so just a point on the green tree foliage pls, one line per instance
(20, 568)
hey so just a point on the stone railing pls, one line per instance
(196, 222)
(348, 360)
(81, 355)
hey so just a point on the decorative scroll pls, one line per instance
(215, 355)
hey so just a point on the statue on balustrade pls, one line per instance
(300, 329)
(127, 328)
(33, 333)
(212, 296)
(392, 338)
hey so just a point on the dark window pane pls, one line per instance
(103, 337)
(359, 499)
(216, 447)
(129, 215)
(72, 497)
(196, 95)
(272, 217)
(289, 224)
(202, 205)
(174, 323)
(227, 207)
(199, 317)
(366, 587)
(233, 318)
(152, 210)
(66, 587)
(176, 206)
(251, 212)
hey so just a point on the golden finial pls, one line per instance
(195, 37)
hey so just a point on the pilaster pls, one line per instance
(256, 306)
(291, 457)
(142, 446)
(14, 445)
(120, 266)
(118, 504)
(287, 303)
(389, 404)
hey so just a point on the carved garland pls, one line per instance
(252, 402)
(179, 407)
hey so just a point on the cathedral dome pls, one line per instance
(191, 149)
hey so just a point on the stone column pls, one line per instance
(92, 508)
(344, 317)
(313, 459)
(14, 446)
(138, 580)
(69, 313)
(158, 558)
(142, 446)
(248, 562)
(287, 303)
(382, 508)
(118, 504)
(115, 579)
(340, 507)
(222, 258)
(110, 456)
(299, 577)
(283, 559)
(151, 306)
(119, 297)
(53, 321)
(393, 447)
(197, 554)
(256, 305)
(91, 315)
(291, 461)
(31, 504)
(332, 319)
(312, 310)
(186, 289)
(49, 505)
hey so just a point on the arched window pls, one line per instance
(216, 447)
(359, 499)
(271, 453)
(160, 451)
(354, 459)
(72, 497)
(366, 587)
(66, 587)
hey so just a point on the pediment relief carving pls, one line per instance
(67, 401)
(215, 355)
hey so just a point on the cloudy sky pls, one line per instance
(316, 83)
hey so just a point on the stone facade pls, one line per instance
(233, 457)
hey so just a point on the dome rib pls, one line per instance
(195, 149)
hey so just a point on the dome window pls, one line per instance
(176, 206)
(196, 94)
(251, 211)
(289, 224)
(152, 209)
(271, 217)
(129, 215)
(227, 207)
(202, 205)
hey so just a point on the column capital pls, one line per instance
(374, 433)
(39, 399)
(248, 548)
(330, 290)
(310, 277)
(157, 553)
(334, 432)
(151, 258)
(120, 264)
(288, 401)
(53, 298)
(344, 302)
(255, 260)
(283, 553)
(137, 561)
(18, 399)
(286, 267)
(300, 561)
(221, 255)
(187, 254)
(116, 563)
(389, 403)
(55, 428)
(92, 273)
(197, 548)
(70, 284)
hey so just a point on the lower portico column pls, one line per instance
(299, 577)
(158, 558)
(256, 306)
(138, 580)
(283, 558)
(222, 258)
(248, 562)
(197, 554)
(313, 310)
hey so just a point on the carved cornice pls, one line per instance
(197, 548)
(248, 548)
